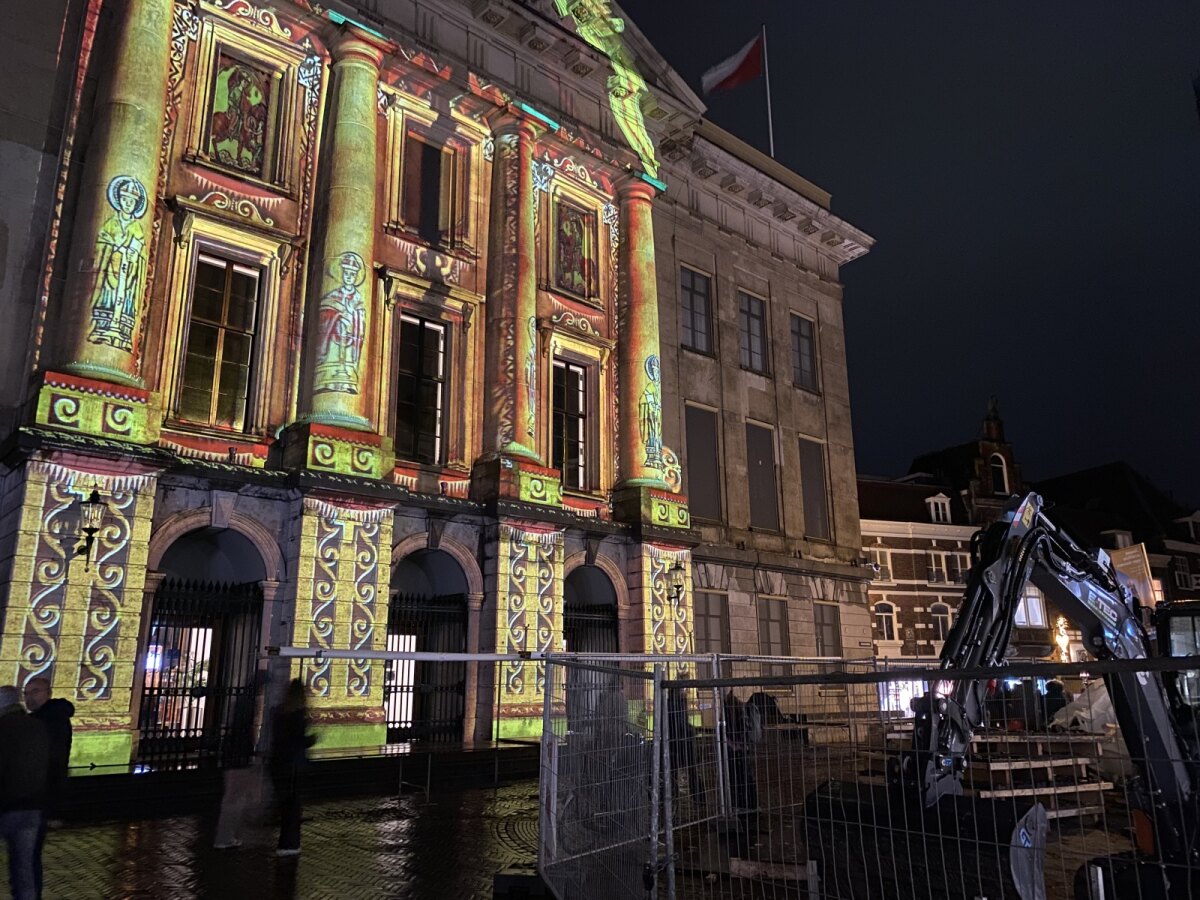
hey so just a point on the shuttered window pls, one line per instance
(760, 471)
(703, 463)
(814, 491)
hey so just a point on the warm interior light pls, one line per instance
(92, 514)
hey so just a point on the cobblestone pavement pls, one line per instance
(357, 848)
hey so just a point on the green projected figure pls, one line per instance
(601, 29)
(120, 265)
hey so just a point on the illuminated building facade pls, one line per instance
(356, 321)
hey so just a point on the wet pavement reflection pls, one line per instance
(357, 848)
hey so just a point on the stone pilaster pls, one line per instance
(341, 603)
(529, 590)
(661, 620)
(105, 309)
(511, 413)
(471, 686)
(74, 619)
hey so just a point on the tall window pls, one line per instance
(999, 474)
(430, 189)
(958, 567)
(937, 567)
(703, 463)
(760, 469)
(421, 390)
(711, 622)
(813, 490)
(695, 300)
(939, 509)
(1183, 572)
(881, 559)
(804, 353)
(219, 344)
(940, 613)
(827, 619)
(752, 332)
(885, 622)
(773, 627)
(570, 423)
(1031, 611)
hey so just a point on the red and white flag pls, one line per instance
(743, 66)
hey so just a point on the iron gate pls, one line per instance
(424, 701)
(590, 628)
(198, 691)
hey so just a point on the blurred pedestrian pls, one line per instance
(24, 770)
(55, 715)
(243, 781)
(289, 759)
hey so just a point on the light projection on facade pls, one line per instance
(342, 328)
(120, 265)
(241, 99)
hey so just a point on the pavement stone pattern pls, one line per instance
(446, 849)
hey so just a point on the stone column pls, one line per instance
(105, 309)
(471, 685)
(340, 344)
(511, 413)
(640, 374)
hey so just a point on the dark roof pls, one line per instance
(955, 466)
(1114, 496)
(895, 501)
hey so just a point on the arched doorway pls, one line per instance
(201, 655)
(590, 623)
(427, 612)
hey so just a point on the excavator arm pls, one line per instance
(1024, 546)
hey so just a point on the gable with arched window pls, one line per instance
(999, 474)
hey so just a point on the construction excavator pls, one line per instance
(921, 834)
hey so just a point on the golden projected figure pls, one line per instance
(601, 29)
(650, 415)
(119, 265)
(342, 329)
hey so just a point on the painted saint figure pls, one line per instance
(239, 121)
(573, 263)
(342, 328)
(650, 415)
(119, 265)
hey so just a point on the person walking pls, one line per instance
(290, 741)
(24, 771)
(55, 715)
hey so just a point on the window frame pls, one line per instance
(889, 617)
(721, 617)
(936, 570)
(588, 455)
(230, 266)
(935, 616)
(719, 492)
(884, 569)
(688, 316)
(442, 447)
(215, 238)
(1002, 491)
(1022, 617)
(745, 335)
(797, 355)
(818, 625)
(778, 524)
(763, 604)
(822, 449)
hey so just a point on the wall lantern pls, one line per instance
(89, 523)
(677, 575)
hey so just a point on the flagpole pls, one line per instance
(767, 75)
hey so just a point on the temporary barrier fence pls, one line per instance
(779, 780)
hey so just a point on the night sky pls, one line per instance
(1031, 174)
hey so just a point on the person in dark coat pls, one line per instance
(55, 715)
(290, 741)
(24, 771)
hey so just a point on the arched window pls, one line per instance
(941, 621)
(885, 621)
(999, 475)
